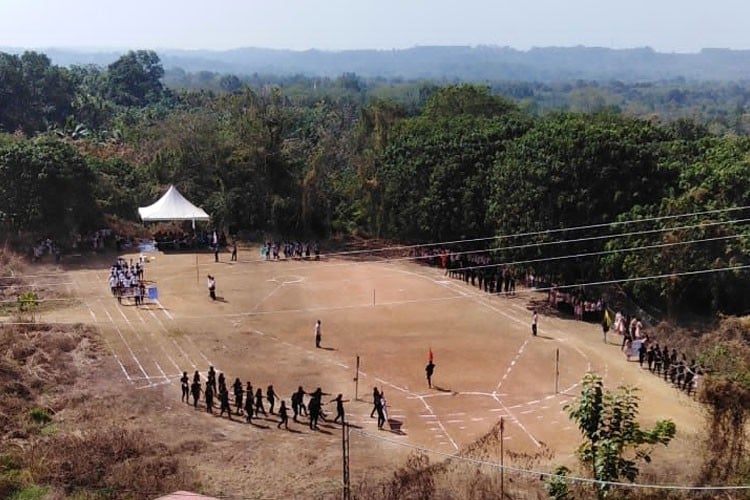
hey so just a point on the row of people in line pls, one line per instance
(661, 361)
(271, 250)
(673, 367)
(250, 402)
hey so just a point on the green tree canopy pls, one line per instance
(45, 187)
(135, 79)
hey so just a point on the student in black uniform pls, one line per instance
(195, 389)
(314, 406)
(224, 401)
(429, 370)
(212, 377)
(209, 394)
(259, 403)
(283, 417)
(271, 397)
(302, 407)
(339, 408)
(298, 405)
(238, 393)
(184, 382)
(375, 401)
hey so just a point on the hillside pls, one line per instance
(454, 63)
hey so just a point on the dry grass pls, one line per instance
(39, 368)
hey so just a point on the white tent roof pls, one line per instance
(172, 206)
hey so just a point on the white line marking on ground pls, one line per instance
(164, 309)
(122, 337)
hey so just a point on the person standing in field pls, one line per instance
(429, 370)
(209, 394)
(212, 377)
(283, 417)
(238, 393)
(224, 402)
(298, 403)
(259, 403)
(317, 334)
(195, 389)
(375, 401)
(381, 410)
(184, 381)
(534, 322)
(339, 408)
(234, 251)
(212, 287)
(249, 402)
(271, 397)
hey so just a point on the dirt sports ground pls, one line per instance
(389, 312)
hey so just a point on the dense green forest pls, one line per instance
(408, 161)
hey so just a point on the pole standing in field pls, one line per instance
(557, 370)
(356, 380)
(502, 468)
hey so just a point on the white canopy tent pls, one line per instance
(172, 206)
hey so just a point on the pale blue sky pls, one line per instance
(665, 25)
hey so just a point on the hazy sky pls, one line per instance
(665, 25)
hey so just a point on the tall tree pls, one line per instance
(573, 170)
(135, 79)
(45, 186)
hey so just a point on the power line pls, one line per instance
(603, 252)
(547, 231)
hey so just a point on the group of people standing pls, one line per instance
(673, 367)
(271, 250)
(250, 402)
(126, 280)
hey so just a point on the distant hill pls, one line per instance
(449, 63)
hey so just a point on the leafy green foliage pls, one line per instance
(571, 170)
(33, 92)
(556, 485)
(614, 441)
(134, 79)
(45, 187)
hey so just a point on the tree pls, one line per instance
(134, 79)
(45, 186)
(230, 83)
(614, 440)
(571, 170)
(34, 94)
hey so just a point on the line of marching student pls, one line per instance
(249, 402)
(673, 367)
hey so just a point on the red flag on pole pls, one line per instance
(429, 354)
